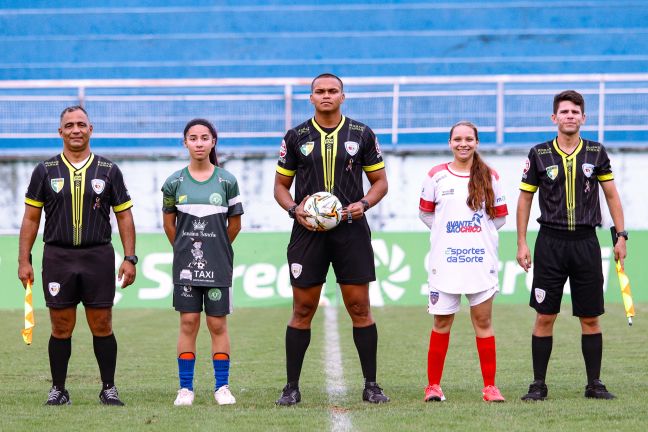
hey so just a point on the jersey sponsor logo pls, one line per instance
(182, 199)
(104, 164)
(434, 297)
(465, 255)
(198, 253)
(447, 192)
(593, 148)
(214, 294)
(98, 185)
(307, 148)
(296, 270)
(378, 148)
(185, 274)
(304, 130)
(57, 184)
(351, 147)
(525, 170)
(199, 225)
(465, 226)
(216, 199)
(356, 127)
(552, 172)
(540, 294)
(500, 199)
(54, 288)
(544, 151)
(588, 169)
(51, 163)
(283, 150)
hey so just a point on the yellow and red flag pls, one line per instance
(624, 284)
(29, 315)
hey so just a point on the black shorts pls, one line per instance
(79, 274)
(560, 255)
(217, 301)
(347, 247)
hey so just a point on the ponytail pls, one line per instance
(480, 187)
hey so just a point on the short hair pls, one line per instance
(212, 130)
(326, 75)
(72, 109)
(570, 96)
(465, 123)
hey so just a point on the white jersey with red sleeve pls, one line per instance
(463, 242)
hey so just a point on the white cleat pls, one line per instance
(224, 396)
(185, 397)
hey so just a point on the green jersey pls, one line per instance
(202, 252)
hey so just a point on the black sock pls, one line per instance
(366, 342)
(297, 341)
(105, 349)
(592, 347)
(541, 351)
(59, 356)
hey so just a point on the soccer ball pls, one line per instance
(324, 211)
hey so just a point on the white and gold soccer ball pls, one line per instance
(324, 211)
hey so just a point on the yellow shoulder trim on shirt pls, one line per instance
(34, 203)
(605, 177)
(528, 188)
(286, 172)
(121, 207)
(374, 167)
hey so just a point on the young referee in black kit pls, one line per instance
(568, 170)
(330, 152)
(77, 189)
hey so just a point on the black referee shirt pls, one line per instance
(330, 160)
(569, 184)
(77, 201)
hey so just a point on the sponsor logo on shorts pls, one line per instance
(98, 185)
(185, 274)
(588, 169)
(351, 147)
(186, 291)
(465, 255)
(214, 294)
(465, 226)
(307, 148)
(434, 297)
(540, 294)
(296, 270)
(54, 288)
(57, 184)
(552, 172)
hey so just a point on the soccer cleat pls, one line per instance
(492, 394)
(372, 393)
(58, 397)
(185, 397)
(537, 391)
(434, 393)
(110, 396)
(596, 390)
(224, 396)
(290, 395)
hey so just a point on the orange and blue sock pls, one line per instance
(186, 363)
(221, 363)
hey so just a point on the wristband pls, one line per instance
(291, 211)
(365, 204)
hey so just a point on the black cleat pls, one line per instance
(596, 390)
(537, 391)
(110, 396)
(373, 393)
(290, 395)
(58, 397)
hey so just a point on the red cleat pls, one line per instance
(434, 393)
(492, 394)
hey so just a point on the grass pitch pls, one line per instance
(147, 376)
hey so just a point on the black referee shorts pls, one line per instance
(74, 274)
(347, 247)
(560, 255)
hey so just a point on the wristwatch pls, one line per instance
(291, 211)
(131, 259)
(623, 234)
(365, 204)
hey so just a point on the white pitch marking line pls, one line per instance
(335, 387)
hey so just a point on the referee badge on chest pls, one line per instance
(351, 147)
(57, 184)
(98, 185)
(307, 148)
(552, 172)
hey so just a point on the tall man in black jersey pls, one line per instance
(568, 170)
(330, 152)
(77, 189)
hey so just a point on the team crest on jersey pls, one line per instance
(540, 294)
(216, 199)
(434, 297)
(552, 172)
(295, 269)
(98, 185)
(57, 184)
(307, 148)
(182, 199)
(588, 170)
(351, 147)
(54, 288)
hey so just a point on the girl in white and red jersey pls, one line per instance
(463, 205)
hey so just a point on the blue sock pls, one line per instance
(221, 369)
(186, 370)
